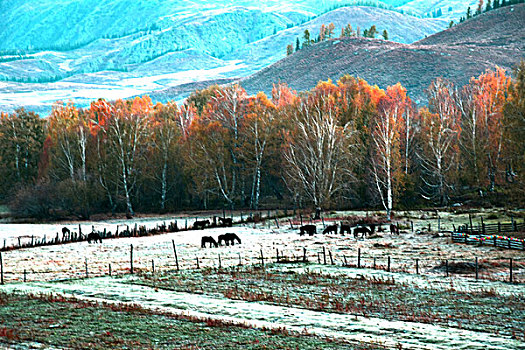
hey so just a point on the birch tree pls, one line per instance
(385, 134)
(318, 151)
(439, 135)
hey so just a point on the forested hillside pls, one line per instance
(486, 41)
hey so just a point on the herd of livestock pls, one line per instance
(232, 238)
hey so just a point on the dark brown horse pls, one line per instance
(330, 229)
(394, 229)
(345, 228)
(210, 240)
(229, 239)
(226, 222)
(95, 237)
(201, 224)
(363, 230)
(310, 229)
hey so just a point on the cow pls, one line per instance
(310, 229)
(228, 239)
(226, 222)
(345, 228)
(201, 224)
(210, 240)
(330, 229)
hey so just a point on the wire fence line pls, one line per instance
(510, 270)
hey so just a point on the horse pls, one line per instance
(65, 233)
(394, 229)
(310, 229)
(330, 229)
(346, 228)
(363, 230)
(201, 224)
(94, 236)
(210, 240)
(228, 238)
(226, 222)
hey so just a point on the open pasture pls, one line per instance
(328, 285)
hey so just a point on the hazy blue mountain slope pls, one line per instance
(45, 24)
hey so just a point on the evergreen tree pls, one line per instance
(451, 24)
(496, 4)
(385, 34)
(489, 6)
(306, 37)
(469, 14)
(297, 45)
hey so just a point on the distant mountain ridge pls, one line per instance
(457, 54)
(121, 48)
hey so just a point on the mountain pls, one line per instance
(459, 53)
(88, 50)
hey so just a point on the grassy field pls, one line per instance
(70, 323)
(485, 311)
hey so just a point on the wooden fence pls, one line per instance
(493, 240)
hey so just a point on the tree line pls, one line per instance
(327, 32)
(340, 145)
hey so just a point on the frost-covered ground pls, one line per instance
(47, 267)
(431, 249)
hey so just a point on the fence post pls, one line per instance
(470, 220)
(331, 258)
(276, 222)
(175, 252)
(344, 257)
(25, 275)
(388, 267)
(446, 267)
(482, 226)
(198, 266)
(86, 263)
(262, 258)
(358, 257)
(374, 262)
(131, 257)
(412, 225)
(304, 254)
(510, 270)
(1, 269)
(301, 216)
(220, 262)
(324, 255)
(318, 257)
(110, 270)
(417, 266)
(499, 227)
(277, 258)
(153, 266)
(477, 268)
(240, 260)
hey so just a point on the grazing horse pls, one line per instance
(310, 229)
(346, 228)
(330, 229)
(394, 229)
(95, 237)
(201, 224)
(228, 239)
(363, 230)
(210, 240)
(226, 222)
(65, 233)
